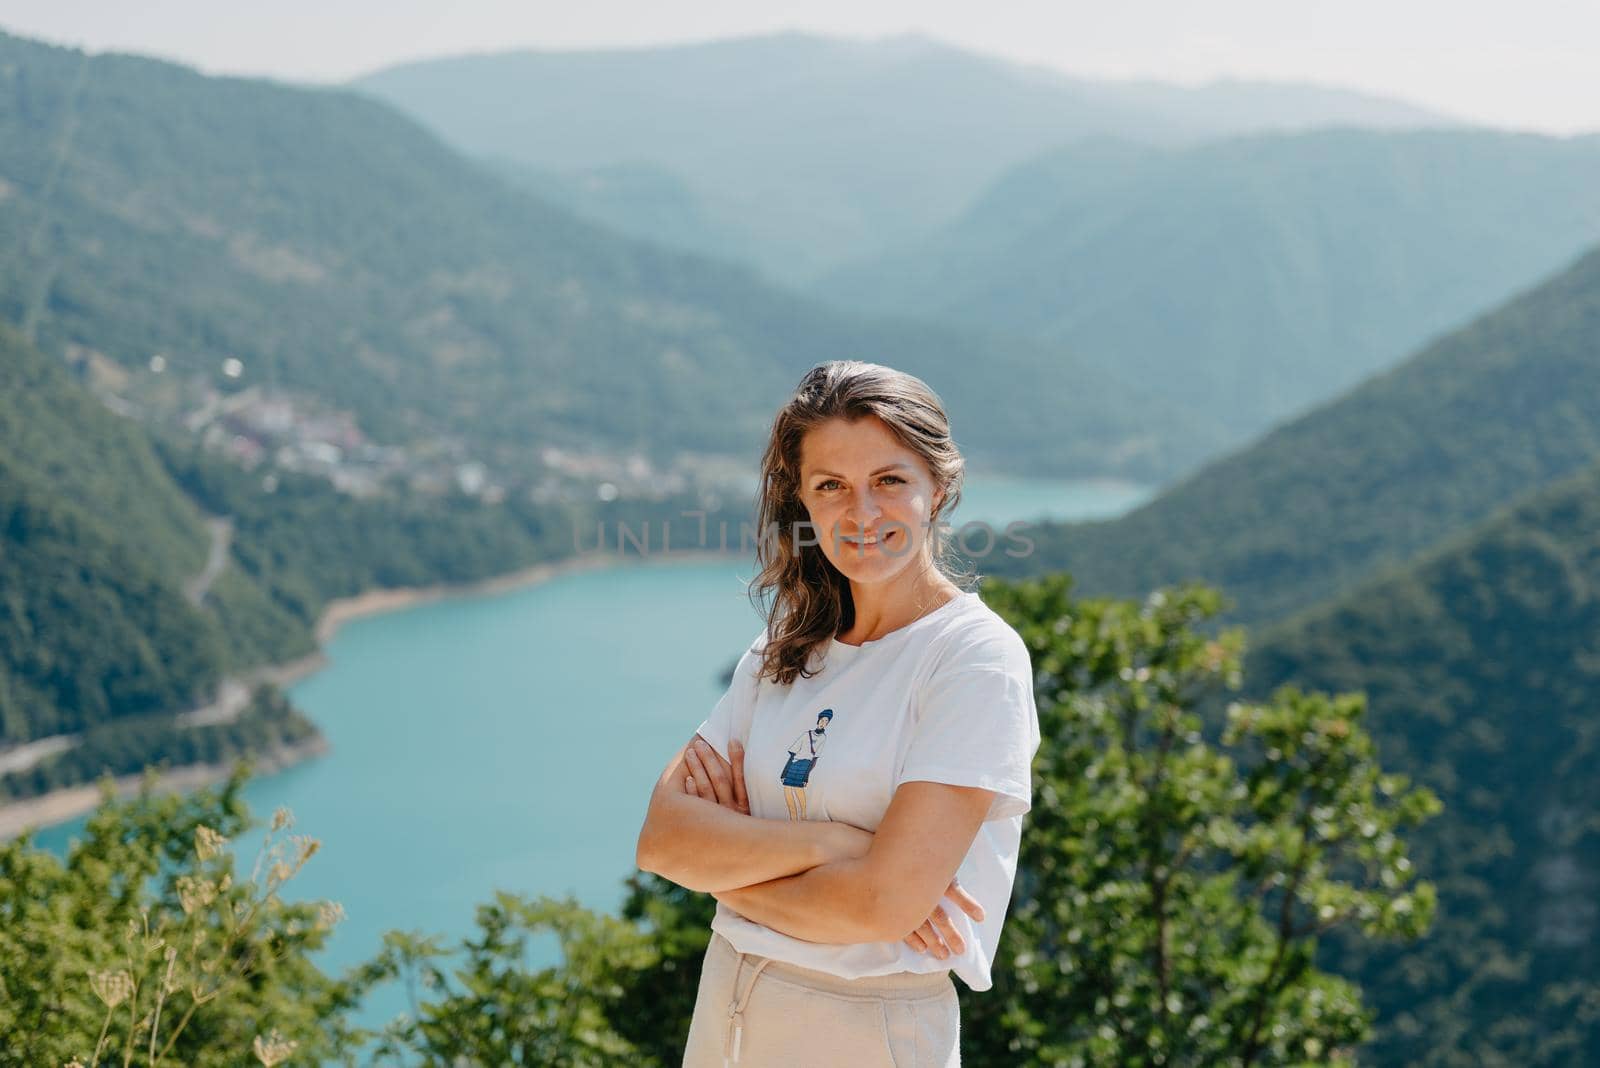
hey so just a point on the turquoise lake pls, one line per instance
(510, 741)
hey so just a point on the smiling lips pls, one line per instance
(869, 541)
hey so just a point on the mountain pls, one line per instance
(822, 150)
(1503, 405)
(641, 200)
(122, 645)
(92, 522)
(1255, 275)
(100, 647)
(1480, 666)
(335, 247)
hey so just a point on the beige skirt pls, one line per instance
(759, 1012)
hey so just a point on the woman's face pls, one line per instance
(856, 481)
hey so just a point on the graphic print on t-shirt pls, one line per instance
(803, 754)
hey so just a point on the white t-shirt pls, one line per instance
(946, 698)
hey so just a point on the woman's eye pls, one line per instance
(835, 482)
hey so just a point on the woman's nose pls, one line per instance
(862, 507)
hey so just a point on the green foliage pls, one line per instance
(490, 1009)
(1171, 889)
(658, 1001)
(145, 948)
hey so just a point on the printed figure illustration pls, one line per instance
(803, 753)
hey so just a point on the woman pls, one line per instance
(832, 942)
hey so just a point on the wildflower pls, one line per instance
(281, 818)
(307, 846)
(195, 893)
(207, 842)
(329, 913)
(113, 988)
(274, 1049)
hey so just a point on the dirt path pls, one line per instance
(221, 529)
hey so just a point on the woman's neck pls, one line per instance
(880, 612)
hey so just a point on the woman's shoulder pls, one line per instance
(980, 637)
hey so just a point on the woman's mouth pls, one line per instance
(871, 542)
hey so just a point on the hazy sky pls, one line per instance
(1532, 65)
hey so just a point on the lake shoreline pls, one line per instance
(58, 806)
(69, 802)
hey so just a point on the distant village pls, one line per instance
(277, 429)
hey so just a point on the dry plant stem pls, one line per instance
(133, 1008)
(161, 996)
(240, 967)
(133, 1025)
(95, 1060)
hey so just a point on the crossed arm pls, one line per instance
(817, 880)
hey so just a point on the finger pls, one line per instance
(736, 751)
(716, 772)
(968, 904)
(702, 780)
(930, 935)
(921, 939)
(947, 930)
(724, 770)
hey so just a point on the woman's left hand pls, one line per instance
(938, 935)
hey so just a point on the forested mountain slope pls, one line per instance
(1482, 672)
(1505, 404)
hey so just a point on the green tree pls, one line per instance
(491, 1009)
(1171, 889)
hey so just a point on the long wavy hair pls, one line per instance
(810, 601)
